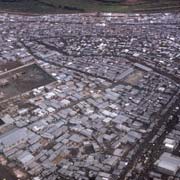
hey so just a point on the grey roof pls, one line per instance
(26, 157)
(145, 68)
(168, 163)
(8, 119)
(125, 73)
(120, 119)
(13, 137)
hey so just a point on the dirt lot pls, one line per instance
(135, 77)
(24, 79)
(9, 65)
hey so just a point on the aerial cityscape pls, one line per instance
(90, 96)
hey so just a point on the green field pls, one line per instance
(74, 6)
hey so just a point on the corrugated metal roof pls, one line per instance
(13, 137)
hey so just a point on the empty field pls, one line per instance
(9, 65)
(135, 77)
(18, 81)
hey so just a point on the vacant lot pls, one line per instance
(18, 81)
(9, 65)
(135, 77)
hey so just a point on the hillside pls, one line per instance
(73, 6)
